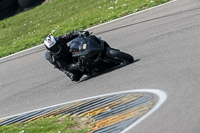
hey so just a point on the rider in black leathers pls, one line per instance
(58, 54)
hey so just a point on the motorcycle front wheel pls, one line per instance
(120, 56)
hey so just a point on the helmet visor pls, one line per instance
(55, 48)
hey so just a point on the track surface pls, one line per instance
(165, 40)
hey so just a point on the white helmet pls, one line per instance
(50, 44)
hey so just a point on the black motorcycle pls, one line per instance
(96, 55)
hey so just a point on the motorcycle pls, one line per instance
(96, 55)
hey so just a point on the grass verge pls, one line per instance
(54, 124)
(29, 28)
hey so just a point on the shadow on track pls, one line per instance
(106, 71)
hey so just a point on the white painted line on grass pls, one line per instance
(96, 26)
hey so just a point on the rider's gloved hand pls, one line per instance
(85, 33)
(75, 66)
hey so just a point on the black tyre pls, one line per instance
(116, 54)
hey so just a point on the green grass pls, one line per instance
(46, 125)
(29, 28)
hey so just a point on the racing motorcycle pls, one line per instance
(96, 55)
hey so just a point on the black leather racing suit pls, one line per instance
(63, 58)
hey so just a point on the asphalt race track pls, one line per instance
(164, 41)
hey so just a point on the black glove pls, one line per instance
(75, 66)
(85, 33)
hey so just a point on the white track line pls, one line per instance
(94, 27)
(161, 95)
(132, 14)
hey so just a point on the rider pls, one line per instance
(58, 54)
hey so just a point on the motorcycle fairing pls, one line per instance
(88, 49)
